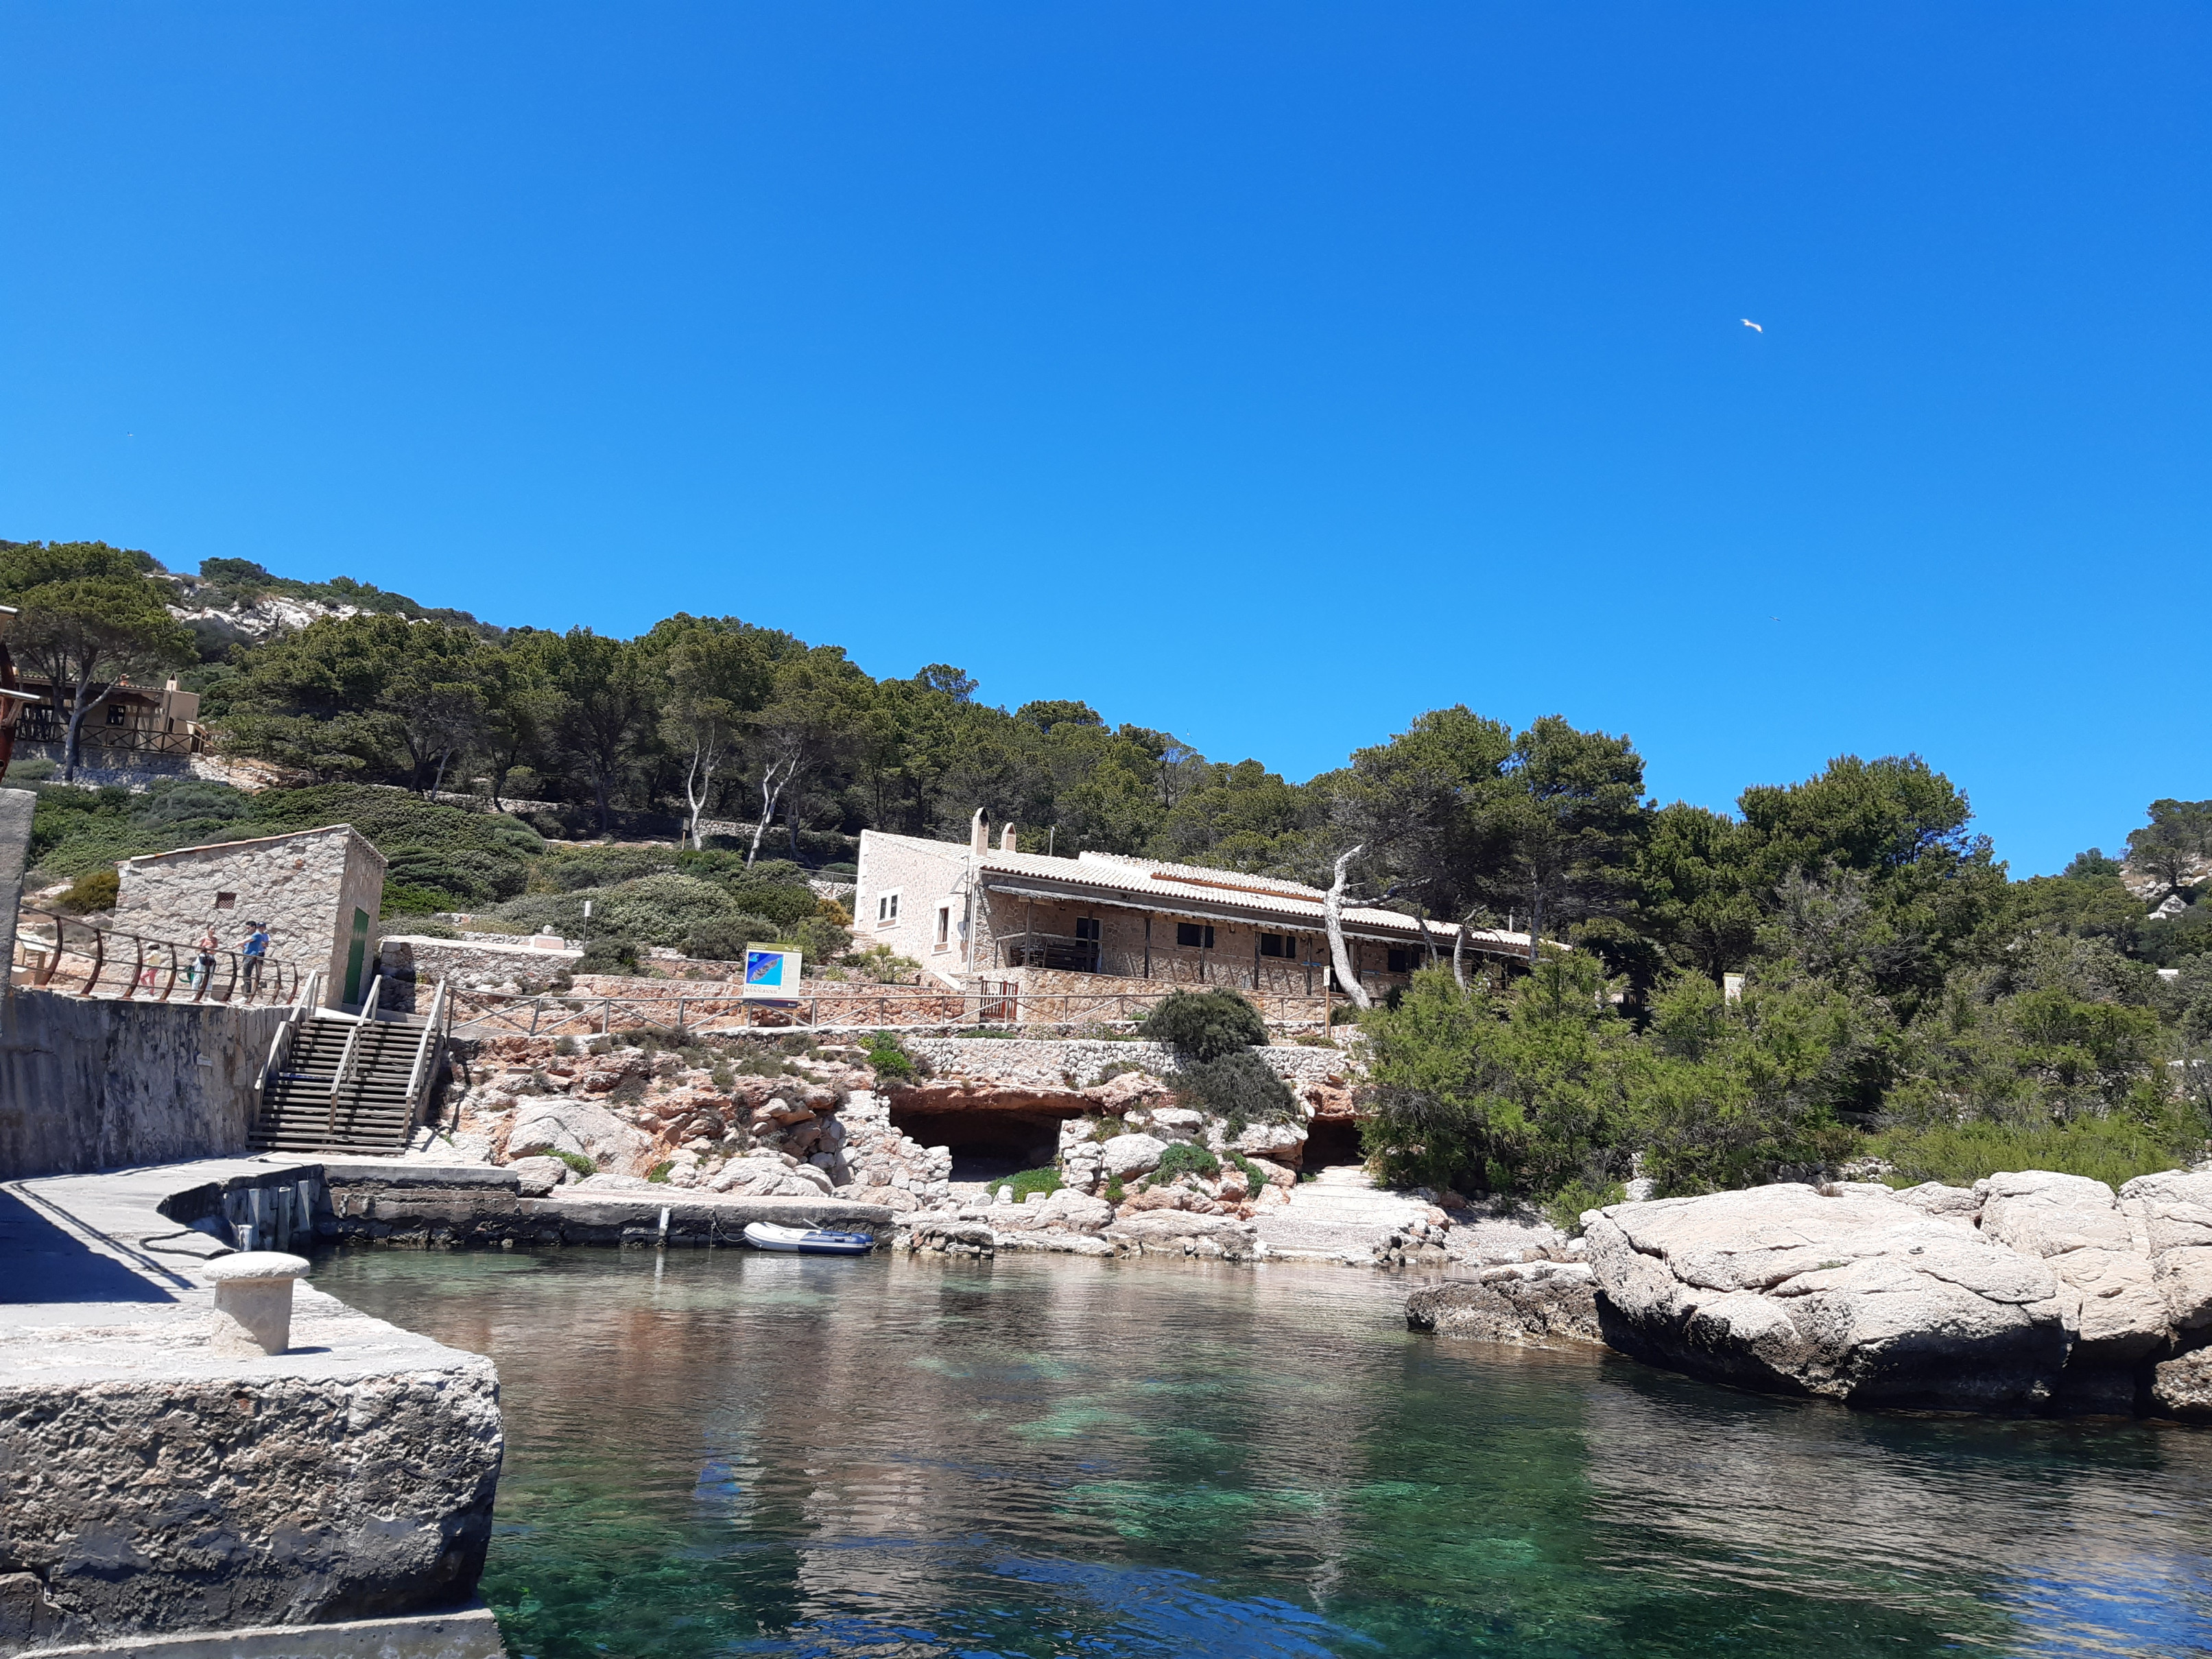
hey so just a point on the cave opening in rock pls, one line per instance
(1331, 1141)
(985, 1143)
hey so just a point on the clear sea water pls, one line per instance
(734, 1453)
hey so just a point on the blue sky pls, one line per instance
(1267, 372)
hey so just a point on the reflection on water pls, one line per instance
(741, 1454)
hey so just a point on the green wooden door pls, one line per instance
(357, 953)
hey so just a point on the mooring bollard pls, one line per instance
(253, 1300)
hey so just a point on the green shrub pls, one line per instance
(1238, 1086)
(1115, 1192)
(95, 889)
(658, 909)
(1205, 1025)
(1031, 1180)
(430, 928)
(1254, 1176)
(576, 1161)
(1563, 1209)
(660, 1171)
(570, 869)
(609, 954)
(2113, 1150)
(888, 1058)
(36, 769)
(725, 938)
(1187, 1157)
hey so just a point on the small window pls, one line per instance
(1088, 928)
(1279, 944)
(115, 715)
(1195, 935)
(944, 926)
(226, 900)
(887, 910)
(1401, 962)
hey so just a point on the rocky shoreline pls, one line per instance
(2031, 1290)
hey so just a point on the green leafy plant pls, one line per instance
(1187, 1157)
(1205, 1025)
(1115, 1192)
(94, 891)
(1031, 1180)
(888, 1058)
(576, 1161)
(658, 1173)
(1238, 1086)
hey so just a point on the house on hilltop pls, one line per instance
(1007, 925)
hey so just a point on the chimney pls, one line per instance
(979, 835)
(1007, 838)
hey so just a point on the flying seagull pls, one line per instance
(1753, 326)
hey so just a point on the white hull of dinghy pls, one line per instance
(807, 1241)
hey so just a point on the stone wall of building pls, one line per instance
(306, 885)
(926, 877)
(90, 1085)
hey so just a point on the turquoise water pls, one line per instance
(738, 1454)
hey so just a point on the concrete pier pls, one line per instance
(153, 1484)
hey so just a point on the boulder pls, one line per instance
(948, 1236)
(769, 1177)
(1283, 1142)
(539, 1175)
(2182, 1387)
(1066, 1211)
(1170, 1230)
(579, 1128)
(2075, 1226)
(1960, 1204)
(2177, 1218)
(1537, 1304)
(1118, 1094)
(1131, 1155)
(1857, 1297)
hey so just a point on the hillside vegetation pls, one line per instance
(1839, 968)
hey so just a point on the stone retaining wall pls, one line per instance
(1077, 1062)
(89, 1085)
(409, 960)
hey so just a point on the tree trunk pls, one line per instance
(771, 791)
(599, 799)
(1535, 923)
(78, 709)
(1332, 910)
(1459, 954)
(696, 796)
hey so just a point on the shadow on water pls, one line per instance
(729, 1453)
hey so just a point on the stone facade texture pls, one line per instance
(308, 886)
(465, 964)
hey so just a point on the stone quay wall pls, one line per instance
(1076, 1062)
(89, 1085)
(305, 885)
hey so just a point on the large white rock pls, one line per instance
(1131, 1155)
(543, 1125)
(2076, 1227)
(768, 1177)
(1065, 1210)
(1280, 1141)
(2177, 1216)
(1855, 1296)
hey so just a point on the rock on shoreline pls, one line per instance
(2031, 1290)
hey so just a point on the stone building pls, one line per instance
(319, 891)
(1013, 927)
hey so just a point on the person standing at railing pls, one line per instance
(256, 951)
(202, 972)
(154, 961)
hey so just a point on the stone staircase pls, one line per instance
(1340, 1212)
(372, 1113)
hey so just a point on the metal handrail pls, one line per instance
(351, 1052)
(430, 1036)
(273, 983)
(280, 1046)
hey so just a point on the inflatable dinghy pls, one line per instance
(807, 1241)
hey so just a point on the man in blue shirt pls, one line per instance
(257, 952)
